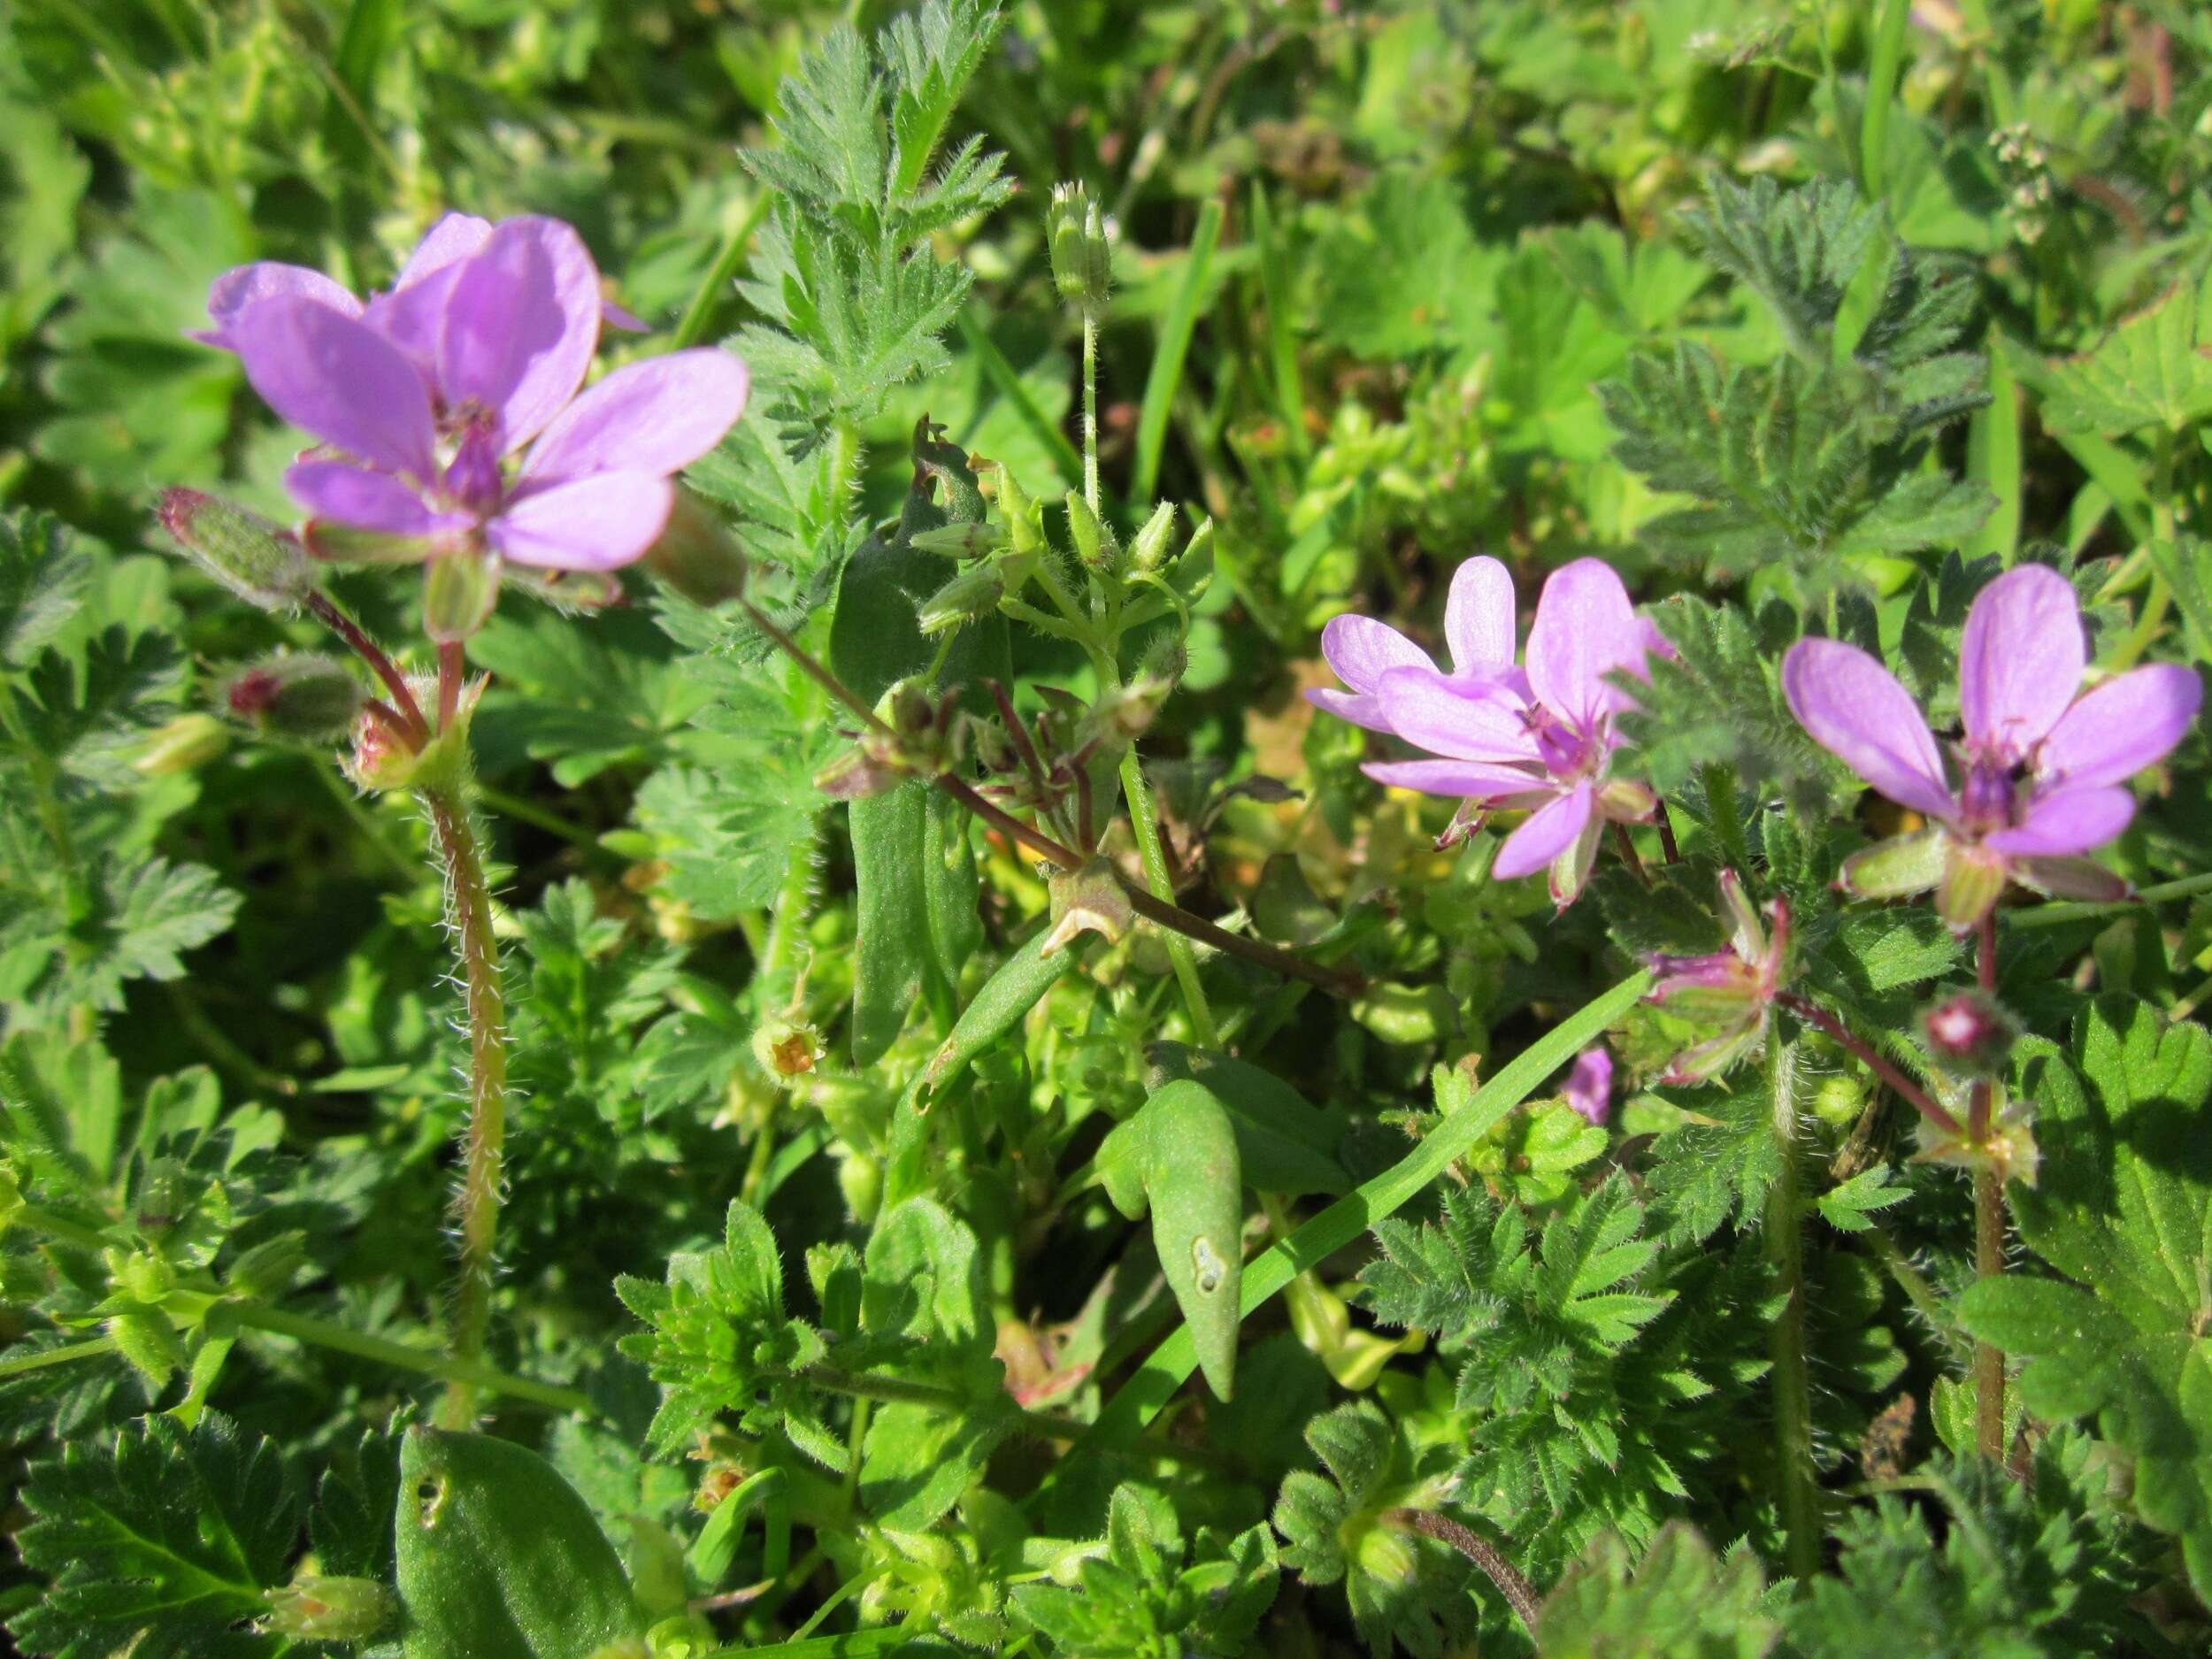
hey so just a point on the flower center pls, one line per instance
(471, 477)
(1565, 752)
(1990, 798)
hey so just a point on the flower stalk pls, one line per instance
(1797, 1496)
(1989, 1225)
(1518, 1595)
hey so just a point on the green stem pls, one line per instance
(2164, 528)
(700, 313)
(527, 811)
(1989, 1227)
(61, 1356)
(469, 914)
(1145, 826)
(457, 1373)
(333, 781)
(1798, 1498)
(1090, 409)
(60, 1229)
(2055, 915)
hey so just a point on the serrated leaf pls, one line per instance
(162, 1544)
(41, 584)
(2153, 370)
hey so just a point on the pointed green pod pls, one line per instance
(499, 1558)
(1177, 1157)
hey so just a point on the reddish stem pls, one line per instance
(1816, 1016)
(452, 669)
(370, 652)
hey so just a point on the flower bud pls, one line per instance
(959, 541)
(267, 1269)
(1149, 552)
(1094, 544)
(184, 744)
(319, 1607)
(458, 592)
(314, 699)
(1969, 1035)
(261, 564)
(1080, 241)
(968, 597)
(697, 555)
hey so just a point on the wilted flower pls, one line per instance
(2038, 772)
(1589, 1085)
(1734, 988)
(1539, 736)
(427, 397)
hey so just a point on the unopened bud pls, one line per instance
(1149, 552)
(459, 591)
(697, 555)
(1080, 241)
(261, 564)
(148, 1343)
(314, 699)
(184, 744)
(959, 541)
(1094, 542)
(316, 1607)
(1969, 1035)
(265, 1270)
(968, 597)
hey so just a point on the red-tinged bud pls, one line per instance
(311, 699)
(317, 1607)
(1969, 1035)
(260, 563)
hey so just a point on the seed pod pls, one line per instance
(1080, 243)
(1177, 1157)
(499, 1558)
(261, 564)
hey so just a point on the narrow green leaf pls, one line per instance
(1167, 362)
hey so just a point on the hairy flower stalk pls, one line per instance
(468, 915)
(1799, 1497)
(1989, 1223)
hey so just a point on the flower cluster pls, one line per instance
(2037, 778)
(448, 407)
(1538, 735)
(1732, 988)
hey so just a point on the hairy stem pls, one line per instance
(1516, 1591)
(1989, 1227)
(469, 913)
(454, 1371)
(370, 652)
(1799, 1498)
(1090, 409)
(1144, 824)
(1821, 1019)
(21, 1363)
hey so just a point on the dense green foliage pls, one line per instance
(1012, 1141)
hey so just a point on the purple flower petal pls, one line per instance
(588, 524)
(2121, 727)
(1478, 616)
(340, 380)
(1547, 834)
(247, 284)
(658, 416)
(1585, 629)
(454, 237)
(1508, 786)
(520, 327)
(1589, 1087)
(355, 496)
(2021, 660)
(1854, 708)
(1460, 718)
(1362, 651)
(620, 316)
(2070, 821)
(414, 317)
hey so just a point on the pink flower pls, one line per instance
(1589, 1085)
(1735, 988)
(2037, 778)
(427, 396)
(1538, 737)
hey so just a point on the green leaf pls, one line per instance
(2124, 1210)
(1853, 1205)
(1679, 1601)
(2183, 564)
(41, 584)
(162, 1544)
(2153, 370)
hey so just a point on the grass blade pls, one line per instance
(1167, 362)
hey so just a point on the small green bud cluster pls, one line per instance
(1081, 239)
